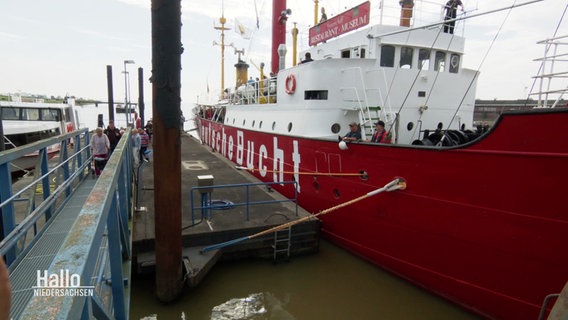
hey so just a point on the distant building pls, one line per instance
(487, 111)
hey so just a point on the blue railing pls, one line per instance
(65, 182)
(206, 204)
(96, 248)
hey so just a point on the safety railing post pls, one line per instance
(247, 199)
(115, 258)
(296, 196)
(7, 216)
(192, 208)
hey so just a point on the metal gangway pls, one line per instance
(64, 234)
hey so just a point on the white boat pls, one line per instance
(33, 120)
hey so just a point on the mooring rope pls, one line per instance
(396, 184)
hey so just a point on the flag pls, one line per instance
(242, 30)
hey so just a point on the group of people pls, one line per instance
(103, 143)
(450, 15)
(381, 135)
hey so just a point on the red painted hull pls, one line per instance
(483, 225)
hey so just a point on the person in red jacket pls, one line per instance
(381, 135)
(144, 142)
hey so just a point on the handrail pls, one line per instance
(13, 231)
(96, 247)
(247, 203)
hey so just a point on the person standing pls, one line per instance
(451, 13)
(354, 133)
(149, 128)
(100, 147)
(381, 135)
(323, 15)
(113, 134)
(136, 143)
(307, 58)
(144, 142)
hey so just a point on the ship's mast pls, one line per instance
(316, 2)
(222, 20)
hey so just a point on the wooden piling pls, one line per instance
(141, 95)
(166, 74)
(110, 94)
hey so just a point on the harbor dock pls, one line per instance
(235, 206)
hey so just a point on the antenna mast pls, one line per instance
(222, 20)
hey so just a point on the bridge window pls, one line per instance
(454, 63)
(67, 114)
(50, 115)
(30, 114)
(387, 56)
(11, 113)
(315, 95)
(424, 59)
(345, 53)
(440, 62)
(406, 57)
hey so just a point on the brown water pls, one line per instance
(332, 284)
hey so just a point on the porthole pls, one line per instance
(409, 126)
(316, 185)
(244, 121)
(289, 126)
(253, 121)
(260, 125)
(363, 175)
(335, 128)
(233, 120)
(440, 126)
(336, 194)
(273, 125)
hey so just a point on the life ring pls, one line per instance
(290, 84)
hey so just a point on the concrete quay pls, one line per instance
(226, 222)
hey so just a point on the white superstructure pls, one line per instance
(377, 73)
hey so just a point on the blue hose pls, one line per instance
(221, 204)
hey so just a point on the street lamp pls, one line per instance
(127, 91)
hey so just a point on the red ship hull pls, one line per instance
(483, 225)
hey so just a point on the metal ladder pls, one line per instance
(282, 243)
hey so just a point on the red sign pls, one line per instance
(347, 21)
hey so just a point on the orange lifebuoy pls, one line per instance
(290, 84)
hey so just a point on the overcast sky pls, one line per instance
(60, 47)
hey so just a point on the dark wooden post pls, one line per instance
(166, 73)
(141, 95)
(110, 94)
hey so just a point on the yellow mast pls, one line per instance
(222, 20)
(294, 44)
(316, 12)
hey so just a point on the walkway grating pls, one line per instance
(24, 273)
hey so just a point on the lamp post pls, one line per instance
(127, 91)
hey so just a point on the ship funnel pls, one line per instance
(407, 6)
(281, 56)
(279, 17)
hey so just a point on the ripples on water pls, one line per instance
(329, 285)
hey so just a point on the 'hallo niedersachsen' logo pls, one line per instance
(58, 285)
